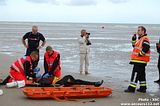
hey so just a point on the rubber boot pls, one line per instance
(131, 88)
(143, 87)
(141, 90)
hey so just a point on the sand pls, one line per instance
(15, 97)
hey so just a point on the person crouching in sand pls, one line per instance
(52, 64)
(21, 70)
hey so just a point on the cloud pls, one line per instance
(78, 2)
(82, 2)
(44, 1)
(119, 1)
(67, 2)
(2, 2)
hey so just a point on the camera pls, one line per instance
(88, 41)
(88, 33)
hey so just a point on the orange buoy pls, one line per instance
(59, 93)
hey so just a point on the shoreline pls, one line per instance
(114, 23)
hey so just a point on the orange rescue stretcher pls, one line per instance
(66, 93)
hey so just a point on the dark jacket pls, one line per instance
(28, 71)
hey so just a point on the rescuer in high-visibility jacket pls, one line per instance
(140, 56)
(52, 64)
(21, 70)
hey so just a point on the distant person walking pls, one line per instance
(158, 65)
(84, 44)
(140, 56)
(34, 38)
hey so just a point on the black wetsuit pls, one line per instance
(69, 80)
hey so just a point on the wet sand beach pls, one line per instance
(15, 97)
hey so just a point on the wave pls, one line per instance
(156, 28)
(121, 26)
(94, 38)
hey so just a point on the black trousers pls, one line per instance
(138, 73)
(69, 80)
(158, 65)
(29, 51)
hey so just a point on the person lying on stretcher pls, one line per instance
(67, 80)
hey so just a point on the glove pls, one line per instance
(46, 75)
(38, 75)
(36, 69)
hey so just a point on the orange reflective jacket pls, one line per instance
(18, 64)
(137, 49)
(50, 60)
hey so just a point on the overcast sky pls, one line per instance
(90, 11)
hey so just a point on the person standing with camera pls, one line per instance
(84, 48)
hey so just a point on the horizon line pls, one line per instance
(82, 22)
